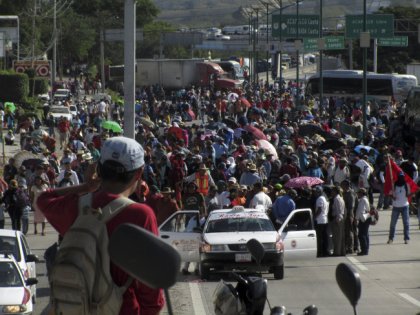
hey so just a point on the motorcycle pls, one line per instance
(250, 294)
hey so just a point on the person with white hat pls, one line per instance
(116, 175)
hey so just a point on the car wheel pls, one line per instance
(204, 272)
(278, 272)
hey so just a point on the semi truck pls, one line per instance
(180, 73)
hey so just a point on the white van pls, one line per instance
(236, 30)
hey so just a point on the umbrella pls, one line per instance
(245, 102)
(230, 123)
(147, 122)
(267, 146)
(303, 182)
(10, 106)
(111, 125)
(332, 144)
(216, 125)
(365, 147)
(22, 156)
(232, 97)
(257, 133)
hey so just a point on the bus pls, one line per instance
(349, 83)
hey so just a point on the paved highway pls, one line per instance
(390, 277)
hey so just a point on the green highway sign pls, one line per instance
(306, 26)
(396, 41)
(331, 43)
(378, 25)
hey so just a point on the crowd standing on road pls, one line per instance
(207, 149)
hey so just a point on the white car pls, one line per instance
(15, 293)
(221, 245)
(60, 111)
(62, 94)
(14, 242)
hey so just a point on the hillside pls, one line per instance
(205, 13)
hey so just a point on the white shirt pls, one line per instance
(261, 199)
(400, 196)
(341, 174)
(362, 207)
(365, 171)
(73, 177)
(322, 217)
(223, 199)
(102, 107)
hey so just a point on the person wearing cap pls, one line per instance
(202, 178)
(67, 168)
(321, 221)
(260, 200)
(363, 219)
(250, 176)
(117, 174)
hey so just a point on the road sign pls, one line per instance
(308, 26)
(378, 25)
(331, 43)
(396, 41)
(42, 67)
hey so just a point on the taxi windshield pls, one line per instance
(9, 275)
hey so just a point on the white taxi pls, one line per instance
(15, 293)
(14, 242)
(221, 244)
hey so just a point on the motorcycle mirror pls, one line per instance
(256, 249)
(348, 279)
(310, 310)
(144, 256)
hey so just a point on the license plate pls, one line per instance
(243, 257)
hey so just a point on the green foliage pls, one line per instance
(41, 86)
(14, 87)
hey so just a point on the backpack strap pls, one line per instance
(115, 207)
(107, 212)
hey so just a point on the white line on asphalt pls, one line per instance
(357, 263)
(410, 299)
(197, 301)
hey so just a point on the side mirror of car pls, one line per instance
(31, 281)
(32, 258)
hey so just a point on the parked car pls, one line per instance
(220, 245)
(60, 111)
(14, 242)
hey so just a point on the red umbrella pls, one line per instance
(303, 182)
(257, 133)
(245, 102)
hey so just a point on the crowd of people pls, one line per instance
(206, 149)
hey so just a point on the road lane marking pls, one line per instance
(197, 301)
(357, 263)
(410, 299)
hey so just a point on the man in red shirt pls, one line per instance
(119, 170)
(64, 129)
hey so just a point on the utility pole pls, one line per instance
(297, 55)
(33, 35)
(129, 66)
(102, 52)
(54, 61)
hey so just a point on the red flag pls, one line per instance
(391, 175)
